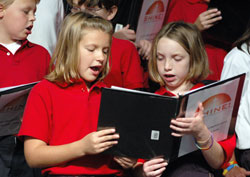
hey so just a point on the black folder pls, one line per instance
(12, 104)
(142, 119)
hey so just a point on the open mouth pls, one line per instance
(95, 68)
(29, 28)
(169, 75)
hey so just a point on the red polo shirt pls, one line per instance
(29, 64)
(64, 113)
(228, 145)
(126, 70)
(185, 10)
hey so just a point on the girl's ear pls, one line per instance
(1, 10)
(112, 12)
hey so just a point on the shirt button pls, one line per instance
(83, 90)
(8, 53)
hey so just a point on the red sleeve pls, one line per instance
(36, 119)
(126, 70)
(216, 60)
(228, 146)
(131, 68)
(185, 10)
(174, 12)
(141, 160)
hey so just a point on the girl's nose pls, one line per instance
(101, 56)
(168, 65)
(32, 17)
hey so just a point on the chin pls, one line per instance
(92, 80)
(22, 38)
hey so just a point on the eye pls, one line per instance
(90, 49)
(159, 57)
(26, 11)
(106, 51)
(177, 58)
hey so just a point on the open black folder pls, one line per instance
(12, 104)
(142, 119)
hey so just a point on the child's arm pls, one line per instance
(213, 153)
(41, 155)
(236, 171)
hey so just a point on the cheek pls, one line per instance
(20, 17)
(18, 22)
(160, 66)
(80, 68)
(105, 62)
(82, 65)
(184, 70)
(13, 28)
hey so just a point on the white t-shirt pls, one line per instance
(49, 16)
(237, 62)
(13, 47)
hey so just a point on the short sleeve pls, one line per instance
(228, 146)
(37, 114)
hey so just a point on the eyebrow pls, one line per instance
(160, 53)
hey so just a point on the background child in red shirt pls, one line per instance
(21, 62)
(126, 70)
(61, 115)
(179, 63)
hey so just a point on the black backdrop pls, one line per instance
(235, 16)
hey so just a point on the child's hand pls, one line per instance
(237, 172)
(189, 125)
(97, 142)
(154, 167)
(125, 162)
(125, 33)
(208, 18)
(144, 48)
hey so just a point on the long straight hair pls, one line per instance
(65, 59)
(189, 37)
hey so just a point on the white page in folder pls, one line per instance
(218, 107)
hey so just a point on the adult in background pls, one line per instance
(49, 16)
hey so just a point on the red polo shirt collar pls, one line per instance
(164, 91)
(24, 43)
(80, 82)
